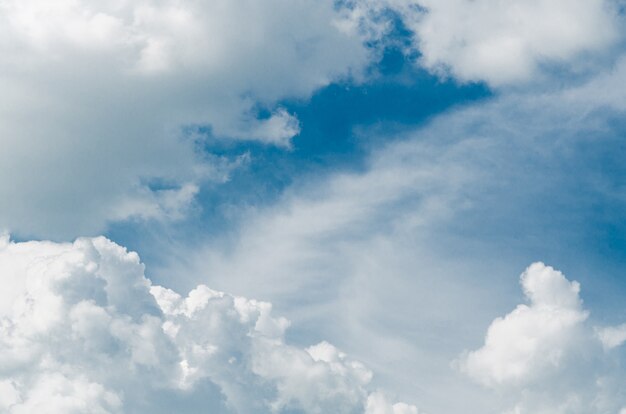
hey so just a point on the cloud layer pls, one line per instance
(82, 330)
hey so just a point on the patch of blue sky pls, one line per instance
(551, 178)
(398, 96)
(551, 189)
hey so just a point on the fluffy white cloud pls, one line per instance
(377, 404)
(96, 98)
(612, 336)
(546, 355)
(82, 330)
(504, 42)
(533, 338)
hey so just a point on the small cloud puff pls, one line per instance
(83, 330)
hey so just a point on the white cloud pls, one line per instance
(533, 338)
(396, 264)
(505, 42)
(377, 404)
(82, 330)
(96, 96)
(545, 355)
(612, 336)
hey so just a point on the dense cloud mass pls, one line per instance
(109, 100)
(82, 330)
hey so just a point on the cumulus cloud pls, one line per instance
(83, 330)
(612, 336)
(546, 354)
(98, 99)
(532, 338)
(377, 403)
(503, 42)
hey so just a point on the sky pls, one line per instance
(313, 206)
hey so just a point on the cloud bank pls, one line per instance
(83, 330)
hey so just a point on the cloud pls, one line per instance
(546, 354)
(378, 404)
(82, 329)
(532, 338)
(98, 99)
(504, 43)
(395, 262)
(612, 336)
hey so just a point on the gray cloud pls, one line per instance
(96, 97)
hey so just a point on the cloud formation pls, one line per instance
(356, 255)
(545, 354)
(532, 338)
(83, 330)
(102, 103)
(507, 42)
(503, 43)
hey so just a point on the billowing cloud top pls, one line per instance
(531, 338)
(82, 330)
(545, 354)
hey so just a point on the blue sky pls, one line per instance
(378, 207)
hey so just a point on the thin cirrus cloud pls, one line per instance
(85, 331)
